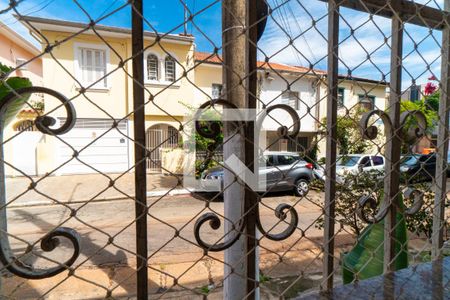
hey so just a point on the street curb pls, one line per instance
(152, 194)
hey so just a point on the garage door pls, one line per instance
(106, 151)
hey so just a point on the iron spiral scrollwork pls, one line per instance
(369, 131)
(281, 212)
(50, 241)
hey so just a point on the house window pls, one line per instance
(92, 66)
(216, 91)
(366, 101)
(340, 97)
(152, 67)
(290, 98)
(170, 69)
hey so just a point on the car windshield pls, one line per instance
(409, 160)
(347, 161)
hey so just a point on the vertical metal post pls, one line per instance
(393, 147)
(250, 196)
(330, 162)
(441, 164)
(140, 179)
(235, 58)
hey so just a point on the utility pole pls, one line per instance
(234, 43)
(185, 19)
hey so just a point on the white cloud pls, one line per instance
(368, 37)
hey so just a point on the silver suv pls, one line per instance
(284, 171)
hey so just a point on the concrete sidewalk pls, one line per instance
(81, 188)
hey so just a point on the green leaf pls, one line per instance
(4, 70)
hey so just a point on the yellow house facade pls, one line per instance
(93, 69)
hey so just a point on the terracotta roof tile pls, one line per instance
(217, 59)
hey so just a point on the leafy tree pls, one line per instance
(432, 101)
(429, 106)
(348, 133)
(204, 144)
(425, 106)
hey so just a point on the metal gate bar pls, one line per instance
(408, 11)
(393, 146)
(140, 150)
(330, 182)
(250, 196)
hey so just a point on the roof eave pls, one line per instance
(41, 24)
(203, 62)
(15, 37)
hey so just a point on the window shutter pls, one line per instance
(170, 69)
(152, 67)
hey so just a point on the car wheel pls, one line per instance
(301, 187)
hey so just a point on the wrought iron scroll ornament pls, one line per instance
(282, 210)
(50, 241)
(370, 131)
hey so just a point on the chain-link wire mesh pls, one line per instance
(339, 109)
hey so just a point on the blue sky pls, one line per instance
(290, 19)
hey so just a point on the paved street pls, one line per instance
(111, 265)
(97, 222)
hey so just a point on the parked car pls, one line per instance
(357, 163)
(284, 171)
(353, 164)
(418, 167)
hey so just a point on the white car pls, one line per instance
(354, 164)
(357, 163)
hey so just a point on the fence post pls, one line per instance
(140, 178)
(442, 144)
(235, 60)
(330, 163)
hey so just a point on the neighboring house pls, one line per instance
(20, 151)
(99, 62)
(307, 95)
(273, 79)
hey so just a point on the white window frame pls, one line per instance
(162, 69)
(78, 71)
(146, 80)
(174, 60)
(158, 67)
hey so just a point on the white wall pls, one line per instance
(271, 94)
